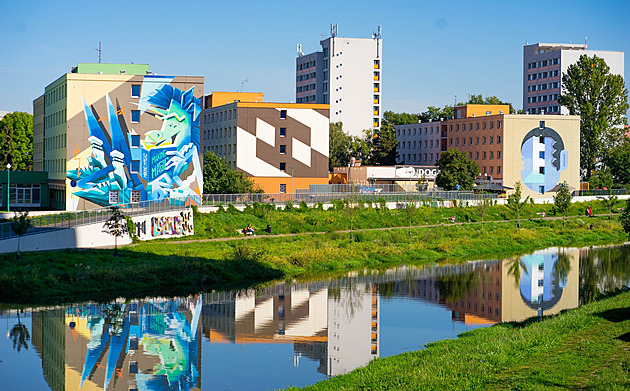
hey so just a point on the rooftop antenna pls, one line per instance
(377, 36)
(243, 84)
(333, 29)
(299, 50)
(99, 52)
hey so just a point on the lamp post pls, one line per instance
(8, 187)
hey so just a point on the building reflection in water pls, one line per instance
(142, 345)
(155, 344)
(337, 326)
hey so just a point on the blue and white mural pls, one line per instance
(124, 166)
(544, 158)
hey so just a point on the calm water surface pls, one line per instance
(289, 334)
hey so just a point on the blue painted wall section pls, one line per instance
(163, 163)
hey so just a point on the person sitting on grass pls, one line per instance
(249, 229)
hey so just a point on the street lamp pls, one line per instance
(8, 187)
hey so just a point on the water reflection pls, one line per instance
(306, 332)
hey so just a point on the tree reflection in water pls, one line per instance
(603, 270)
(20, 335)
(454, 287)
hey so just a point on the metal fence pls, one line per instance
(92, 216)
(356, 195)
(599, 192)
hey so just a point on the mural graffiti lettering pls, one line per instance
(172, 225)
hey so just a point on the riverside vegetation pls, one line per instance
(171, 267)
(582, 349)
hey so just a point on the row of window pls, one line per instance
(484, 126)
(543, 63)
(470, 140)
(224, 115)
(543, 86)
(306, 76)
(408, 144)
(542, 98)
(428, 157)
(484, 155)
(56, 94)
(427, 130)
(55, 119)
(306, 65)
(491, 172)
(307, 87)
(543, 110)
(24, 195)
(54, 142)
(543, 75)
(55, 165)
(306, 99)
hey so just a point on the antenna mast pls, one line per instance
(99, 52)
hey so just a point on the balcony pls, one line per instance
(376, 78)
(376, 89)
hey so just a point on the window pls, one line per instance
(541, 170)
(498, 154)
(484, 155)
(498, 139)
(135, 140)
(541, 154)
(283, 188)
(477, 155)
(541, 139)
(477, 141)
(113, 196)
(135, 166)
(541, 189)
(135, 197)
(283, 132)
(491, 139)
(135, 90)
(283, 114)
(484, 125)
(135, 116)
(283, 149)
(283, 166)
(484, 140)
(542, 124)
(133, 367)
(498, 172)
(24, 195)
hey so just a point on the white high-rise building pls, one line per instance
(347, 74)
(543, 66)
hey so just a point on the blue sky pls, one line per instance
(432, 51)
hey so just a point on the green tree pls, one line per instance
(411, 210)
(515, 204)
(19, 335)
(456, 169)
(624, 219)
(340, 146)
(220, 178)
(400, 118)
(562, 200)
(383, 145)
(16, 141)
(20, 225)
(617, 160)
(601, 101)
(115, 225)
(601, 179)
(435, 113)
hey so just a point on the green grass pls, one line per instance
(581, 349)
(175, 268)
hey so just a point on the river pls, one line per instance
(290, 333)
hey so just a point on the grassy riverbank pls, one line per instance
(176, 268)
(587, 348)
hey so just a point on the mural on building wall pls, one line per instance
(544, 158)
(124, 166)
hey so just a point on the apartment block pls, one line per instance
(543, 67)
(419, 143)
(119, 133)
(347, 74)
(541, 151)
(281, 146)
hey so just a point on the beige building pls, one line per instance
(281, 146)
(540, 151)
(111, 133)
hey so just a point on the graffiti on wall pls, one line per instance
(544, 158)
(178, 224)
(161, 164)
